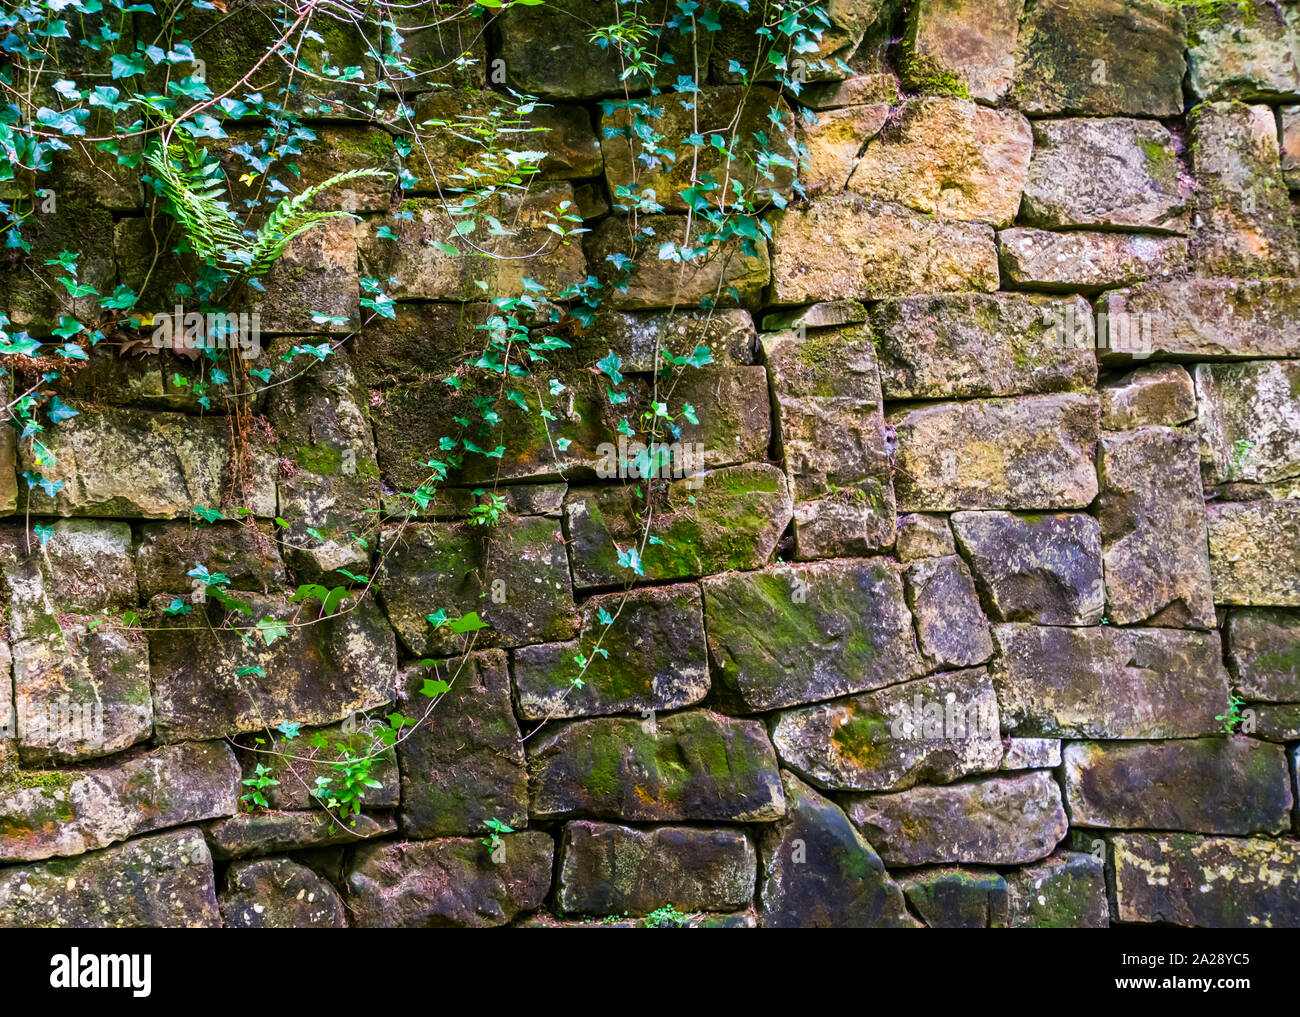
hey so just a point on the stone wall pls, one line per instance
(1002, 505)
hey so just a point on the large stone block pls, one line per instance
(1153, 538)
(818, 871)
(848, 247)
(790, 635)
(1203, 785)
(1255, 552)
(1243, 212)
(650, 656)
(964, 46)
(1219, 318)
(695, 765)
(457, 882)
(990, 821)
(724, 519)
(278, 893)
(269, 833)
(1033, 452)
(244, 553)
(68, 812)
(832, 139)
(997, 344)
(951, 627)
(1212, 882)
(163, 881)
(1249, 421)
(317, 673)
(1105, 682)
(1043, 568)
(1159, 394)
(1264, 654)
(606, 869)
(935, 729)
(128, 464)
(727, 275)
(950, 158)
(951, 898)
(1114, 173)
(515, 575)
(735, 114)
(1065, 891)
(1086, 260)
(1100, 58)
(1245, 50)
(315, 275)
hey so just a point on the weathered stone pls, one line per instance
(962, 47)
(1242, 224)
(439, 47)
(1205, 785)
(731, 274)
(1031, 452)
(545, 54)
(1255, 552)
(315, 275)
(695, 765)
(818, 871)
(1228, 318)
(997, 344)
(1065, 891)
(923, 536)
(1244, 50)
(1264, 654)
(58, 812)
(847, 247)
(734, 413)
(33, 299)
(1139, 44)
(735, 920)
(991, 821)
(639, 337)
(859, 90)
(1249, 421)
(1087, 260)
(1160, 394)
(830, 438)
(1043, 568)
(315, 674)
(654, 658)
(824, 314)
(1115, 173)
(456, 882)
(951, 158)
(1289, 117)
(833, 140)
(515, 575)
(950, 624)
(1214, 882)
(933, 729)
(329, 477)
(743, 40)
(268, 833)
(163, 881)
(958, 898)
(606, 869)
(725, 519)
(80, 692)
(128, 464)
(1153, 540)
(425, 271)
(790, 635)
(464, 765)
(448, 156)
(277, 893)
(298, 763)
(1274, 722)
(733, 112)
(1031, 754)
(1105, 682)
(246, 554)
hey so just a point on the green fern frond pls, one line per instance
(190, 197)
(291, 219)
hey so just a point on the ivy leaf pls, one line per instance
(271, 630)
(468, 623)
